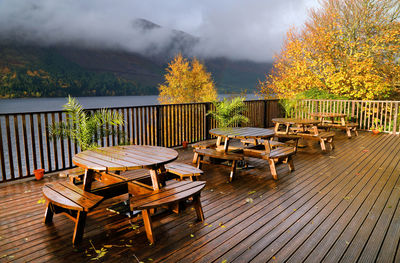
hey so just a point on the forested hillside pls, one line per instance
(44, 72)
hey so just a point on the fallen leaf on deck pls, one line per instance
(108, 246)
(3, 256)
(273, 257)
(224, 261)
(150, 259)
(41, 201)
(294, 209)
(209, 225)
(191, 235)
(251, 192)
(27, 191)
(365, 150)
(127, 245)
(347, 242)
(333, 157)
(249, 200)
(346, 197)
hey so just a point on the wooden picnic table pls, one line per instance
(243, 133)
(295, 121)
(124, 158)
(330, 115)
(67, 198)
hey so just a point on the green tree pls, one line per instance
(84, 127)
(228, 113)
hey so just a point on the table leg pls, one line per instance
(315, 129)
(88, 179)
(276, 129)
(154, 179)
(219, 139)
(226, 145)
(343, 121)
(287, 128)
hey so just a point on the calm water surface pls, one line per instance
(53, 104)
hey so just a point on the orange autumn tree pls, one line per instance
(186, 81)
(347, 47)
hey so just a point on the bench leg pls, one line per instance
(290, 163)
(199, 159)
(48, 215)
(198, 207)
(79, 227)
(195, 156)
(348, 131)
(147, 225)
(273, 168)
(233, 169)
(323, 147)
(332, 144)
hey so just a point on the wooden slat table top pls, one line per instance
(243, 132)
(327, 114)
(124, 157)
(292, 121)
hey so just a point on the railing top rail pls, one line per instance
(119, 108)
(393, 101)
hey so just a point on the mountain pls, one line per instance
(29, 70)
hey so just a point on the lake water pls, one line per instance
(53, 104)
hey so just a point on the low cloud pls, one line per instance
(251, 30)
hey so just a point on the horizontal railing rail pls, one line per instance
(365, 112)
(26, 145)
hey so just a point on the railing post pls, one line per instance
(159, 121)
(266, 114)
(396, 109)
(208, 121)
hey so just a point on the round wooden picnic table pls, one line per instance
(242, 133)
(294, 121)
(331, 115)
(123, 158)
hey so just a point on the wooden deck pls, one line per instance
(341, 206)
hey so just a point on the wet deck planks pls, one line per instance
(340, 206)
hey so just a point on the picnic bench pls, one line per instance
(212, 143)
(332, 123)
(213, 153)
(284, 153)
(170, 195)
(67, 198)
(349, 127)
(323, 138)
(183, 170)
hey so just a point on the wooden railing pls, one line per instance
(26, 144)
(364, 112)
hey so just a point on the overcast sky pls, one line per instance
(237, 29)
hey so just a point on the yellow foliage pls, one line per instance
(185, 82)
(348, 47)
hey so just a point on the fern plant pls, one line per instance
(229, 112)
(83, 127)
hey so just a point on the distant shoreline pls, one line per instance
(42, 104)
